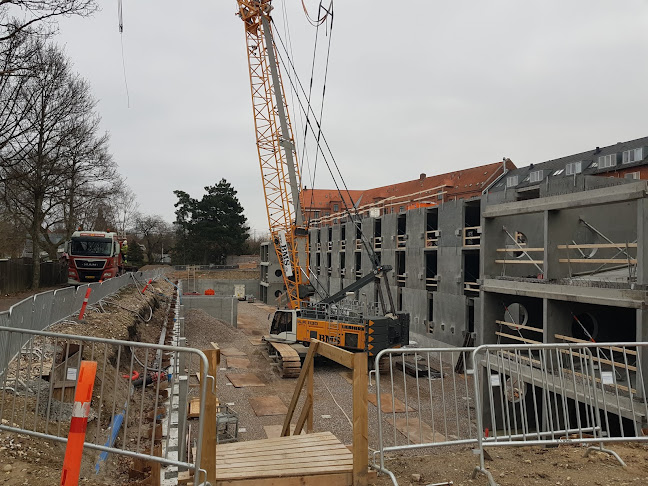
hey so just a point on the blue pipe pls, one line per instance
(115, 426)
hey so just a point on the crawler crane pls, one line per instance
(332, 319)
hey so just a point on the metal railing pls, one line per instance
(511, 395)
(40, 311)
(126, 416)
(423, 401)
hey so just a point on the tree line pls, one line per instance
(56, 170)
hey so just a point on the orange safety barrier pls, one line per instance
(85, 303)
(78, 424)
(146, 286)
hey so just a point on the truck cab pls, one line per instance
(93, 256)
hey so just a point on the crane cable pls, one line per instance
(369, 249)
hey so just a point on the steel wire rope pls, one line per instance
(370, 251)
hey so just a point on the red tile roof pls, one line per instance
(461, 184)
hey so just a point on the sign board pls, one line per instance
(374, 213)
(285, 254)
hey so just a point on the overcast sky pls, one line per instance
(417, 86)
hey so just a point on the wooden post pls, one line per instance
(308, 362)
(360, 420)
(310, 400)
(208, 458)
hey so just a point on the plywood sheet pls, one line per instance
(348, 376)
(240, 380)
(236, 362)
(232, 352)
(274, 431)
(386, 404)
(268, 405)
(418, 432)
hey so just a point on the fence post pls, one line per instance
(360, 420)
(85, 303)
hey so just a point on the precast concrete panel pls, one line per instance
(449, 319)
(451, 224)
(449, 260)
(495, 235)
(590, 225)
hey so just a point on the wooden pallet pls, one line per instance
(313, 459)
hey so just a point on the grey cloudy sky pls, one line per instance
(416, 86)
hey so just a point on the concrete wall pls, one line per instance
(223, 308)
(226, 287)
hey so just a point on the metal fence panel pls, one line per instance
(425, 400)
(125, 416)
(62, 305)
(559, 393)
(43, 304)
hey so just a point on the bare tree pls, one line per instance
(153, 231)
(20, 16)
(123, 203)
(59, 160)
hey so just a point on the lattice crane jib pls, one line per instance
(275, 146)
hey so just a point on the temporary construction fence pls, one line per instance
(40, 311)
(125, 415)
(511, 395)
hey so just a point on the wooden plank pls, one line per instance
(208, 461)
(339, 355)
(360, 420)
(618, 246)
(279, 459)
(236, 362)
(274, 431)
(330, 479)
(417, 431)
(308, 362)
(232, 352)
(310, 381)
(517, 338)
(240, 380)
(523, 249)
(600, 360)
(535, 262)
(308, 406)
(283, 442)
(218, 352)
(520, 326)
(295, 470)
(387, 404)
(613, 348)
(194, 408)
(261, 452)
(267, 405)
(620, 261)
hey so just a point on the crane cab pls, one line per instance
(284, 325)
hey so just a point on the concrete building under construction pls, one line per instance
(556, 246)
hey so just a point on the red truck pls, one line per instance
(93, 256)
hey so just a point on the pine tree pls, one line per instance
(209, 229)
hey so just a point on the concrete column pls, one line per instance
(642, 241)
